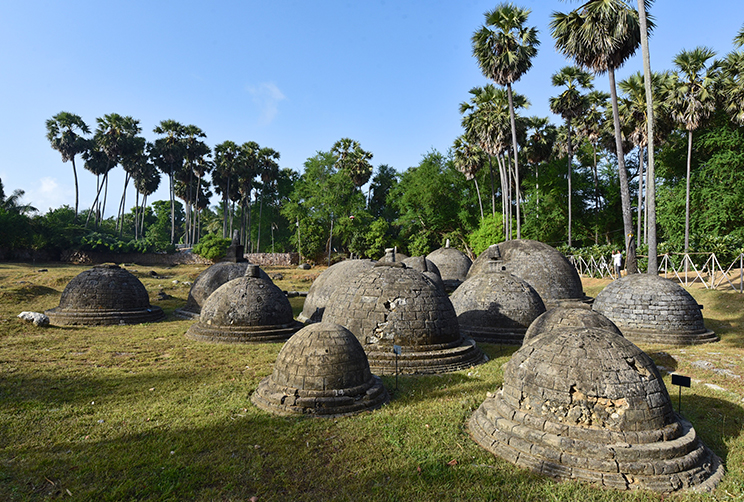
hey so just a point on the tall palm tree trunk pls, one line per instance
(516, 161)
(687, 192)
(493, 186)
(570, 159)
(77, 191)
(596, 194)
(477, 190)
(650, 171)
(631, 263)
(639, 225)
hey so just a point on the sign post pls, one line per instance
(681, 381)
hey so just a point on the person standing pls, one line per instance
(617, 260)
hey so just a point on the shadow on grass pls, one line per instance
(716, 421)
(271, 458)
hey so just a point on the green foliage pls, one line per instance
(434, 202)
(160, 230)
(321, 195)
(490, 231)
(212, 247)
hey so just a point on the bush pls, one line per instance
(212, 247)
(489, 232)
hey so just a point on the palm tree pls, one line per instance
(468, 159)
(600, 36)
(541, 137)
(223, 177)
(634, 111)
(504, 54)
(732, 80)
(486, 122)
(146, 180)
(570, 104)
(195, 151)
(168, 155)
(353, 160)
(691, 101)
(268, 170)
(591, 125)
(113, 140)
(62, 133)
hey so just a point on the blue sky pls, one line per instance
(292, 75)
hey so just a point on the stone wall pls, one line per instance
(93, 257)
(276, 259)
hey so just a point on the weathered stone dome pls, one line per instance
(542, 266)
(246, 309)
(391, 305)
(426, 267)
(207, 283)
(326, 283)
(322, 371)
(587, 404)
(453, 266)
(568, 317)
(496, 306)
(651, 309)
(104, 294)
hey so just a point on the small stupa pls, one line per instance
(104, 294)
(321, 371)
(496, 306)
(541, 266)
(575, 316)
(326, 283)
(391, 305)
(651, 309)
(453, 265)
(233, 266)
(244, 310)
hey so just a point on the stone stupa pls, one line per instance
(104, 294)
(245, 310)
(321, 371)
(586, 404)
(392, 305)
(651, 309)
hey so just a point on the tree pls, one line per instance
(168, 154)
(691, 101)
(268, 170)
(468, 159)
(64, 133)
(600, 36)
(570, 104)
(224, 178)
(113, 140)
(634, 111)
(650, 126)
(732, 80)
(486, 120)
(196, 162)
(504, 54)
(591, 125)
(353, 160)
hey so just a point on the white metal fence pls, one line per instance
(711, 274)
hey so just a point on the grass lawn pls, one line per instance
(143, 413)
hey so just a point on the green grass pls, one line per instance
(143, 413)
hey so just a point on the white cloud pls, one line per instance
(267, 97)
(48, 194)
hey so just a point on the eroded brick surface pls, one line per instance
(586, 403)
